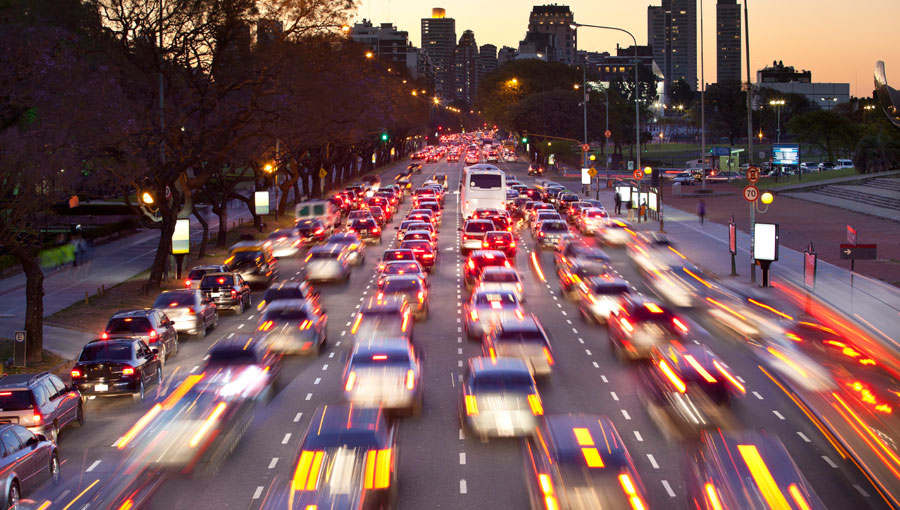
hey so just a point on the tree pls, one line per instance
(500, 91)
(879, 152)
(682, 95)
(726, 110)
(827, 130)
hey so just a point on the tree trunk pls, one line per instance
(167, 228)
(34, 304)
(205, 240)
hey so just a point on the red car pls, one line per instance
(396, 254)
(480, 259)
(423, 250)
(500, 240)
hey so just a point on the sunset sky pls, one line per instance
(838, 40)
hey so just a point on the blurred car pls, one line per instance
(28, 461)
(434, 207)
(294, 326)
(360, 214)
(384, 374)
(639, 325)
(724, 177)
(379, 215)
(396, 254)
(577, 251)
(535, 169)
(387, 316)
(480, 259)
(420, 235)
(486, 307)
(501, 278)
(523, 337)
(347, 459)
(290, 289)
(328, 262)
(191, 312)
(579, 462)
(151, 326)
(249, 366)
(691, 387)
(591, 219)
(312, 230)
(500, 240)
(826, 165)
(549, 233)
(410, 286)
(573, 273)
(367, 230)
(254, 261)
(598, 296)
(196, 274)
(614, 233)
(472, 234)
(424, 252)
(564, 200)
(747, 470)
(113, 367)
(286, 242)
(499, 398)
(41, 402)
(539, 215)
(684, 178)
(226, 290)
(356, 253)
(405, 226)
(401, 267)
(575, 208)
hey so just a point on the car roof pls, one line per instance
(327, 248)
(381, 346)
(487, 254)
(287, 304)
(509, 323)
(141, 312)
(249, 246)
(500, 269)
(339, 425)
(569, 435)
(8, 381)
(497, 365)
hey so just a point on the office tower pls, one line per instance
(728, 41)
(467, 68)
(488, 59)
(388, 43)
(551, 33)
(672, 32)
(439, 42)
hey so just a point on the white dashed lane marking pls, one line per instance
(803, 437)
(625, 414)
(92, 466)
(779, 415)
(637, 435)
(830, 462)
(462, 458)
(258, 492)
(652, 461)
(297, 417)
(668, 488)
(602, 377)
(273, 462)
(462, 487)
(286, 438)
(614, 396)
(757, 395)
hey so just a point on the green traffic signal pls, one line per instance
(384, 137)
(525, 139)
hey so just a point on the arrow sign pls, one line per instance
(859, 251)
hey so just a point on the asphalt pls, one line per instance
(439, 466)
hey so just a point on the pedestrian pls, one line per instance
(701, 211)
(630, 210)
(618, 200)
(643, 211)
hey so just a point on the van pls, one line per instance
(254, 261)
(843, 163)
(323, 210)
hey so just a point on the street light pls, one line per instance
(576, 86)
(345, 28)
(767, 198)
(268, 168)
(778, 104)
(370, 55)
(147, 198)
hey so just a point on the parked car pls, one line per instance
(684, 178)
(190, 311)
(843, 163)
(809, 167)
(117, 366)
(826, 165)
(28, 460)
(41, 402)
(151, 326)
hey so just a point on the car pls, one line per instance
(842, 164)
(191, 312)
(639, 325)
(294, 326)
(367, 230)
(614, 233)
(226, 290)
(424, 251)
(379, 215)
(388, 316)
(499, 398)
(575, 459)
(826, 165)
(574, 210)
(745, 469)
(420, 235)
(808, 168)
(535, 169)
(521, 336)
(291, 289)
(401, 267)
(549, 233)
(359, 214)
(501, 240)
(411, 286)
(397, 254)
(441, 178)
(573, 273)
(355, 246)
(425, 215)
(564, 200)
(313, 230)
(151, 326)
(434, 207)
(196, 274)
(684, 178)
(28, 461)
(591, 219)
(485, 307)
(598, 296)
(478, 260)
(248, 363)
(327, 262)
(472, 234)
(689, 389)
(41, 402)
(384, 374)
(501, 278)
(254, 261)
(724, 177)
(285, 242)
(348, 454)
(577, 251)
(115, 367)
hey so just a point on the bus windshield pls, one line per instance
(485, 181)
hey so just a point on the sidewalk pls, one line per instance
(108, 265)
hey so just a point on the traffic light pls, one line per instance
(525, 137)
(384, 137)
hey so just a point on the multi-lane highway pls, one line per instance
(439, 467)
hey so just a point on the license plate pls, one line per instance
(215, 294)
(101, 387)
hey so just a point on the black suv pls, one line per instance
(226, 290)
(42, 403)
(152, 326)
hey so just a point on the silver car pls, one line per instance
(330, 262)
(550, 233)
(501, 279)
(286, 242)
(615, 233)
(523, 338)
(485, 307)
(386, 374)
(196, 274)
(294, 326)
(188, 310)
(591, 219)
(355, 246)
(499, 398)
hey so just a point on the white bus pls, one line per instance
(482, 187)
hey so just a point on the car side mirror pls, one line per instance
(34, 441)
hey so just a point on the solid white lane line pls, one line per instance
(779, 415)
(258, 492)
(286, 438)
(614, 396)
(803, 437)
(92, 466)
(297, 417)
(625, 414)
(273, 462)
(757, 395)
(668, 488)
(637, 436)
(462, 458)
(652, 461)
(829, 461)
(462, 487)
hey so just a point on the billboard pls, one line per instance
(786, 154)
(765, 243)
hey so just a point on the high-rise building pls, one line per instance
(551, 33)
(466, 68)
(728, 40)
(388, 43)
(488, 59)
(504, 55)
(672, 32)
(439, 42)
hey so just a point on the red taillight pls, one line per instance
(233, 294)
(534, 401)
(376, 230)
(37, 418)
(153, 336)
(187, 283)
(127, 371)
(104, 335)
(75, 373)
(474, 314)
(421, 296)
(471, 405)
(410, 379)
(319, 231)
(191, 311)
(428, 256)
(485, 244)
(548, 356)
(547, 490)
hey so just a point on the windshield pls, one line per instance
(324, 255)
(196, 274)
(504, 298)
(283, 293)
(286, 314)
(106, 351)
(485, 181)
(554, 226)
(480, 226)
(400, 268)
(173, 299)
(214, 281)
(499, 276)
(524, 336)
(138, 325)
(232, 354)
(246, 257)
(504, 381)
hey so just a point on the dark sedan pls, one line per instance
(367, 230)
(121, 366)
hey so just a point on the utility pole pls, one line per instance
(702, 106)
(750, 138)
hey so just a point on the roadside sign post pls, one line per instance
(858, 251)
(732, 245)
(19, 345)
(851, 235)
(765, 251)
(810, 262)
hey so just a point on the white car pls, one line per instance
(499, 278)
(286, 242)
(684, 178)
(843, 163)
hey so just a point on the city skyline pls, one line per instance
(845, 53)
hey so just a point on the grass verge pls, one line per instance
(50, 361)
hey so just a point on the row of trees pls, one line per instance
(173, 98)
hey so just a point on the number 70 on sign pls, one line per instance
(751, 193)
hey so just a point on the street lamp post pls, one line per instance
(778, 104)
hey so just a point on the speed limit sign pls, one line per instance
(751, 193)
